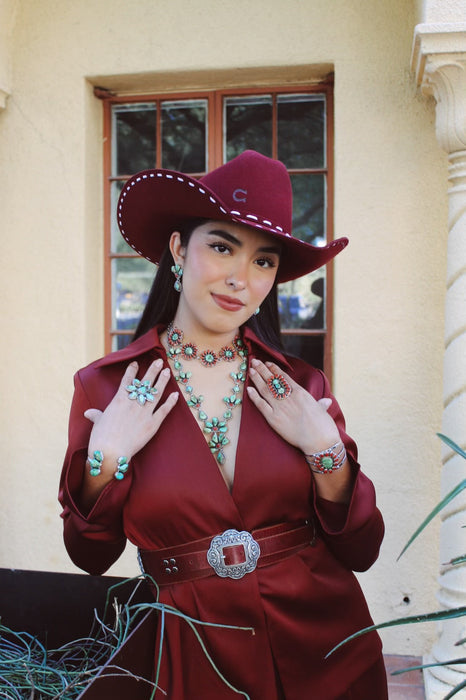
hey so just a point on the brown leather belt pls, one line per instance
(231, 554)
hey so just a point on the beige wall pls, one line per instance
(390, 199)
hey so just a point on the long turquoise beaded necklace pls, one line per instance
(215, 427)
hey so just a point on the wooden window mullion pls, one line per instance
(274, 127)
(158, 134)
(107, 214)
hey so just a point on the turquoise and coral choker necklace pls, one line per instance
(215, 427)
(190, 351)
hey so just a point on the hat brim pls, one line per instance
(154, 203)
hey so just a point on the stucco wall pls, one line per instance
(441, 11)
(390, 199)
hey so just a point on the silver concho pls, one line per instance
(232, 538)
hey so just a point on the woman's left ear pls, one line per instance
(176, 248)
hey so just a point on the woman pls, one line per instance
(225, 461)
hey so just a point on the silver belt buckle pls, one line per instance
(231, 538)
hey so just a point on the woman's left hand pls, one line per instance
(298, 418)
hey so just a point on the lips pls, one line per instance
(228, 303)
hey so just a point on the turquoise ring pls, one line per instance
(141, 391)
(278, 386)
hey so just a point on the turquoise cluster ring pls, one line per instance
(279, 387)
(141, 391)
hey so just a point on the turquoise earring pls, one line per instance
(257, 311)
(178, 272)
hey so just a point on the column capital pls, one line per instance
(439, 63)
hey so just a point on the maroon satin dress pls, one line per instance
(299, 607)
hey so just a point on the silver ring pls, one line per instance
(141, 391)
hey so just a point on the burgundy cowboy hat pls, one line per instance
(251, 189)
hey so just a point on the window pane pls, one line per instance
(184, 135)
(301, 302)
(118, 243)
(132, 279)
(309, 206)
(134, 134)
(301, 130)
(247, 124)
(309, 347)
(120, 341)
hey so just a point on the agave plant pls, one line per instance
(432, 616)
(29, 671)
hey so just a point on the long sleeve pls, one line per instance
(353, 531)
(96, 539)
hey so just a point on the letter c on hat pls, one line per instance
(240, 195)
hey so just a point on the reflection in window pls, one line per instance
(301, 302)
(309, 206)
(134, 147)
(301, 131)
(247, 125)
(132, 282)
(311, 347)
(184, 135)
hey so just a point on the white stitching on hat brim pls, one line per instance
(173, 177)
(244, 218)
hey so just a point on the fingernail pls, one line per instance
(165, 372)
(255, 362)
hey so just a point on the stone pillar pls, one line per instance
(439, 60)
(8, 9)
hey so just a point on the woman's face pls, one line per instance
(228, 270)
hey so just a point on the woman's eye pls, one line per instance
(266, 262)
(220, 247)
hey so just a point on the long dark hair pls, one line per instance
(162, 301)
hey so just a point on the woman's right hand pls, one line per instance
(125, 426)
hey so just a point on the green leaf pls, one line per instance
(458, 560)
(455, 690)
(419, 667)
(450, 662)
(449, 497)
(452, 445)
(412, 619)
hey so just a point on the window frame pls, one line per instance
(215, 141)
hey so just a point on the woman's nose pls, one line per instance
(235, 283)
(237, 276)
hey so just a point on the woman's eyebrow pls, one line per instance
(235, 241)
(227, 236)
